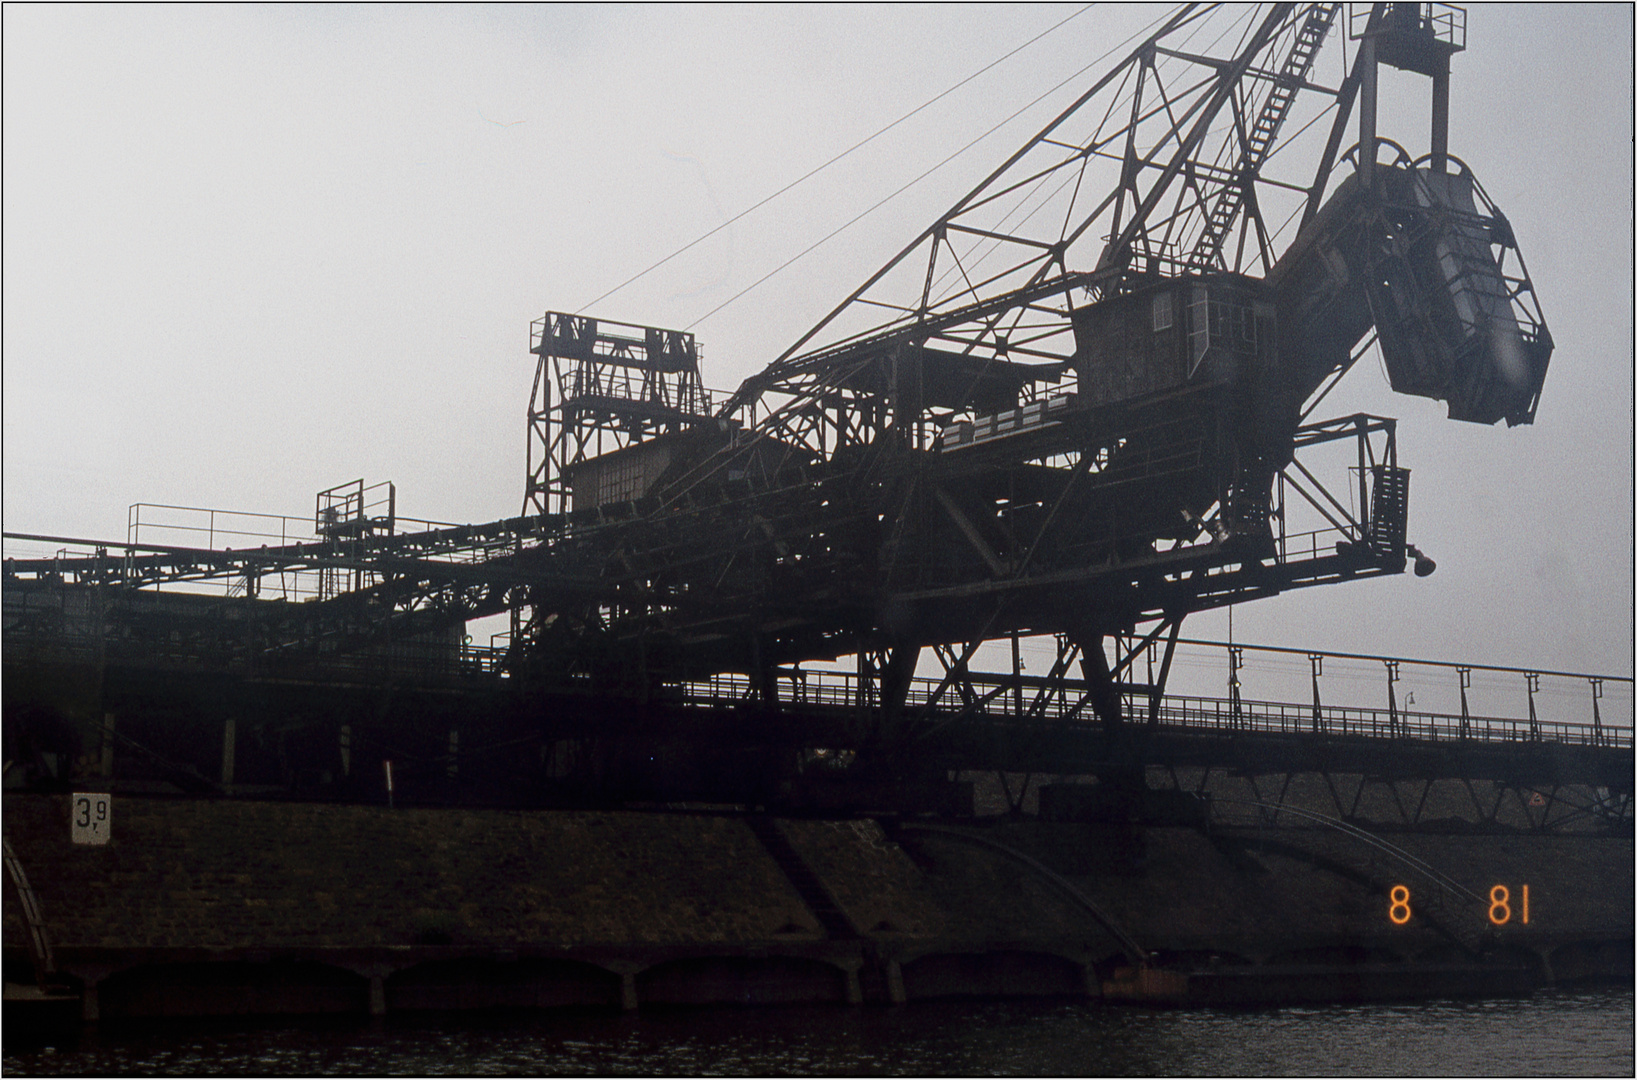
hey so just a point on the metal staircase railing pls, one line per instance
(39, 945)
(1261, 135)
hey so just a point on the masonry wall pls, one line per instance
(226, 874)
(240, 906)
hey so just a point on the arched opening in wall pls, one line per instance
(42, 744)
(16, 964)
(498, 984)
(1587, 961)
(1447, 953)
(1335, 956)
(1515, 956)
(736, 980)
(993, 974)
(232, 988)
(1189, 959)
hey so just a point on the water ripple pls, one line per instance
(1556, 1032)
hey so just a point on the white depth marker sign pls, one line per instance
(91, 816)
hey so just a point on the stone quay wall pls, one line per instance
(230, 906)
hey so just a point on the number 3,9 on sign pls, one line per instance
(1501, 903)
(91, 818)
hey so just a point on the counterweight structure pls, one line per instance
(1081, 403)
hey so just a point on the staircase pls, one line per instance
(1389, 509)
(1261, 135)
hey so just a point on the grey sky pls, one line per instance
(251, 252)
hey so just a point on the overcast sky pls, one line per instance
(251, 252)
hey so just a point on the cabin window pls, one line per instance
(1162, 311)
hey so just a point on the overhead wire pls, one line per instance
(905, 187)
(1122, 97)
(820, 168)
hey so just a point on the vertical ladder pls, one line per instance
(1388, 527)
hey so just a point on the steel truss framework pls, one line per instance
(803, 726)
(408, 584)
(1184, 160)
(851, 485)
(1077, 404)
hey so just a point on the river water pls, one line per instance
(1556, 1032)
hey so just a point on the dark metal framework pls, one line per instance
(600, 387)
(1185, 159)
(1077, 404)
(949, 472)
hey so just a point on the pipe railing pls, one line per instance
(1176, 712)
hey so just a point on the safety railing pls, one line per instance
(1218, 714)
(601, 382)
(212, 529)
(1440, 22)
(406, 662)
(219, 530)
(1301, 546)
(994, 698)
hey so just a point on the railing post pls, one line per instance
(1316, 660)
(1465, 674)
(1597, 716)
(1392, 699)
(1017, 677)
(1533, 679)
(1236, 660)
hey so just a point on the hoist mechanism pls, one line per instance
(1080, 402)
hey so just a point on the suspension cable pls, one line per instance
(820, 168)
(882, 202)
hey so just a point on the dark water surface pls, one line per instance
(1556, 1032)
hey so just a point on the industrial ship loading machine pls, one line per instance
(1084, 403)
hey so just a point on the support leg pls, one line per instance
(628, 991)
(895, 983)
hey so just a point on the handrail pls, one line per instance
(39, 944)
(840, 688)
(1327, 654)
(216, 522)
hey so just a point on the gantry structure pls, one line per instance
(1085, 402)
